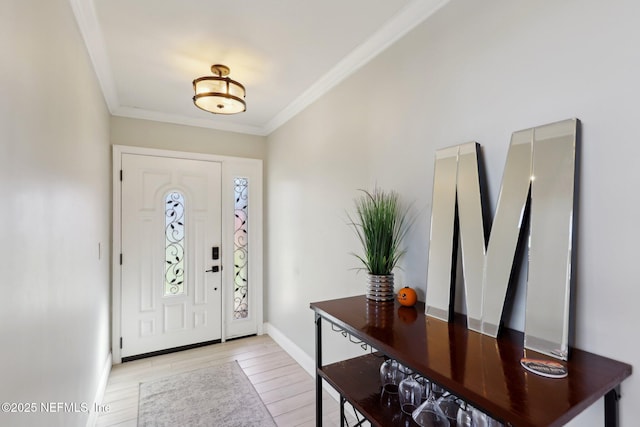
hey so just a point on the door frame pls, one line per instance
(231, 167)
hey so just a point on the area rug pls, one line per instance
(218, 396)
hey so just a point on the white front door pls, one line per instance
(170, 274)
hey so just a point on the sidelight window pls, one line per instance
(240, 250)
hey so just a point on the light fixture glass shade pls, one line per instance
(219, 94)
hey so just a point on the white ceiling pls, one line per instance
(286, 53)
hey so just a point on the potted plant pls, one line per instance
(380, 222)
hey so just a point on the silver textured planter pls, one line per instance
(380, 287)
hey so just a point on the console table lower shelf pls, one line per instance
(358, 382)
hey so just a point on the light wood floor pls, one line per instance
(285, 387)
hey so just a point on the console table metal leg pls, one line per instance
(342, 419)
(318, 366)
(611, 407)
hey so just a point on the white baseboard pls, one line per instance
(299, 355)
(102, 386)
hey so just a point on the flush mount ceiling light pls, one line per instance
(219, 94)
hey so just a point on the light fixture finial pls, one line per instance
(220, 70)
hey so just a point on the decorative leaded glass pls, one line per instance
(174, 244)
(240, 254)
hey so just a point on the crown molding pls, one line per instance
(403, 22)
(156, 116)
(89, 26)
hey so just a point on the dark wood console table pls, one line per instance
(483, 371)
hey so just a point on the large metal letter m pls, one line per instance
(539, 175)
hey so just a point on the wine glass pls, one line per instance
(450, 406)
(437, 390)
(480, 419)
(410, 392)
(429, 414)
(425, 385)
(391, 375)
(463, 418)
(406, 371)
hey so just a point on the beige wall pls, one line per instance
(474, 71)
(167, 136)
(55, 175)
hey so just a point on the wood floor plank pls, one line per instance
(262, 359)
(269, 365)
(285, 405)
(269, 375)
(117, 417)
(287, 391)
(301, 415)
(296, 376)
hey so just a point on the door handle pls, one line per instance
(214, 269)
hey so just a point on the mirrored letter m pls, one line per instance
(540, 168)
